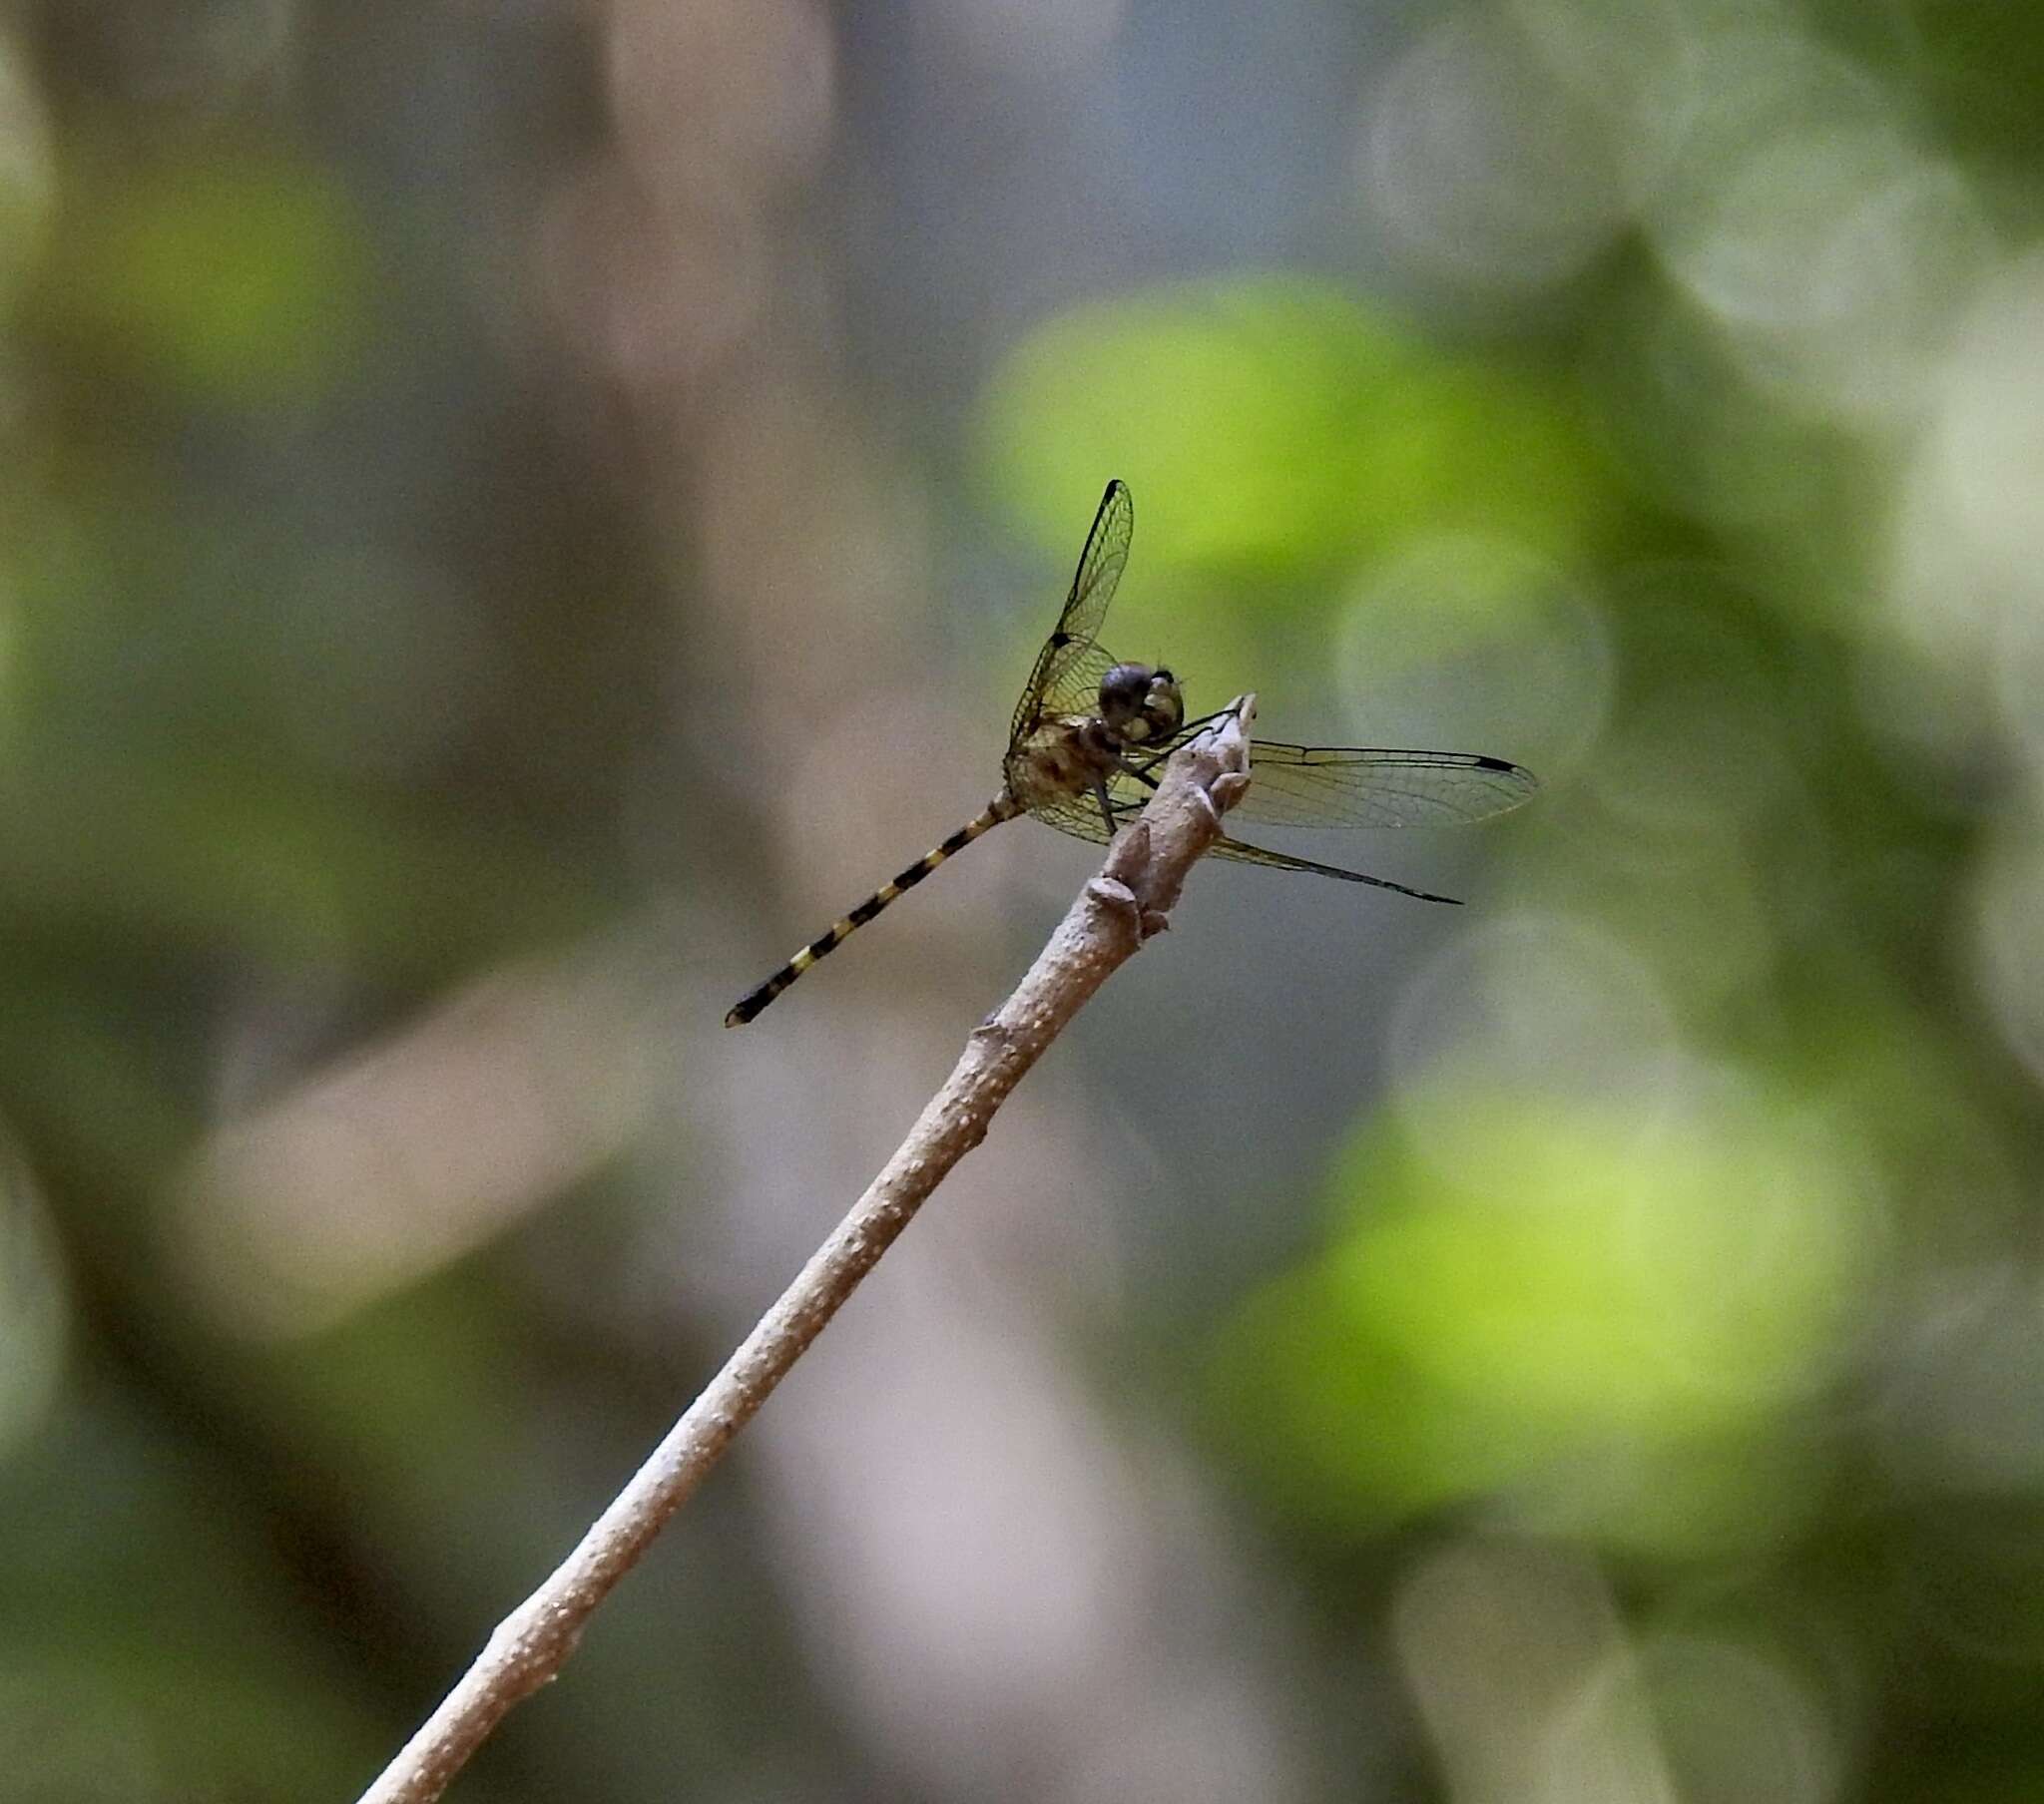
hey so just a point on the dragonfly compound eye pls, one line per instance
(1164, 707)
(1140, 704)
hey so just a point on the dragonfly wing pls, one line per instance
(1052, 682)
(1079, 817)
(1074, 686)
(1244, 853)
(1345, 787)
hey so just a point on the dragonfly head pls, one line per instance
(1141, 706)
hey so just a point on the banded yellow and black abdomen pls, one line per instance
(1003, 807)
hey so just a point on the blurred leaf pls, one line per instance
(27, 177)
(237, 281)
(179, 855)
(1276, 426)
(1566, 1295)
(153, 1618)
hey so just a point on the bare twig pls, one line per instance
(1116, 912)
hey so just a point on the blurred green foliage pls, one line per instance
(221, 279)
(1614, 1315)
(1276, 427)
(394, 621)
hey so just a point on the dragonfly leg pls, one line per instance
(1192, 726)
(1141, 773)
(1106, 804)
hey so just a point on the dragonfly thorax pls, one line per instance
(1069, 757)
(1140, 706)
(1066, 756)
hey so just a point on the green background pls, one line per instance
(515, 517)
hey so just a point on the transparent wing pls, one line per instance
(1341, 786)
(1244, 853)
(1074, 686)
(1052, 684)
(1080, 817)
(1345, 786)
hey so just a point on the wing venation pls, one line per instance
(1051, 683)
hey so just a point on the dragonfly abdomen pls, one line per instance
(747, 1005)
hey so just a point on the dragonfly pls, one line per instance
(1091, 734)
